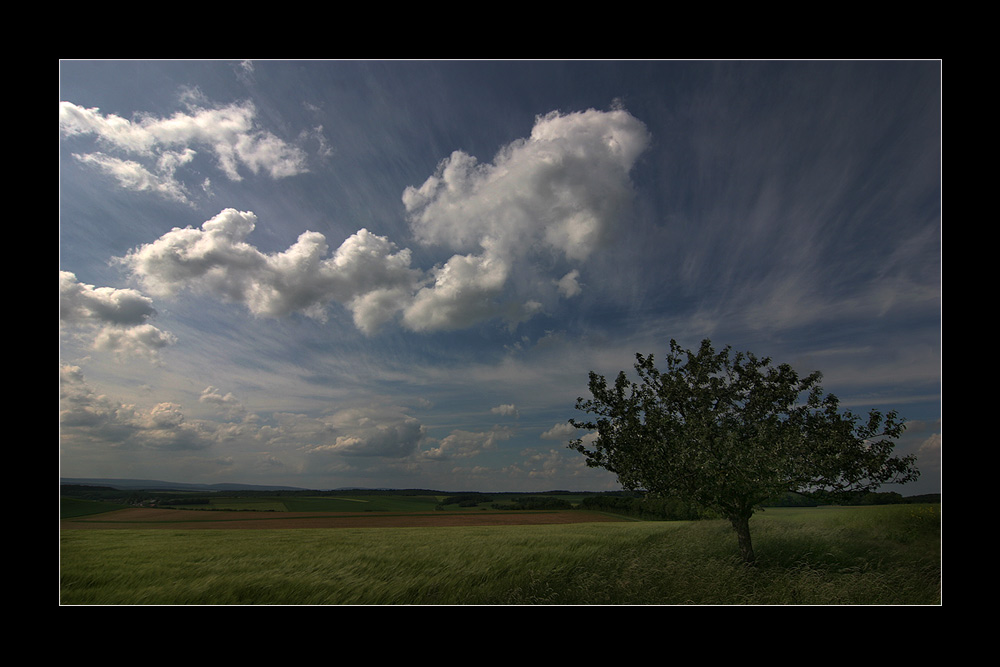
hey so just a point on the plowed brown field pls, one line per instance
(194, 520)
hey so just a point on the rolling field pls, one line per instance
(859, 555)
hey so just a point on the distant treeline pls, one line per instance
(652, 508)
(648, 508)
(535, 503)
(465, 500)
(112, 495)
(631, 503)
(185, 501)
(870, 498)
(506, 501)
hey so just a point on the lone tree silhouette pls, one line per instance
(730, 431)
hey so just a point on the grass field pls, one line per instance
(70, 508)
(860, 555)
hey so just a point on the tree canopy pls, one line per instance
(729, 431)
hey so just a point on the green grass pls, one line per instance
(864, 555)
(71, 507)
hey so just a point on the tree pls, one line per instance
(730, 431)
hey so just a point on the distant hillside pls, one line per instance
(153, 486)
(157, 485)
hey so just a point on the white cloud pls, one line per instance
(931, 446)
(143, 340)
(569, 285)
(565, 186)
(132, 175)
(119, 317)
(79, 303)
(556, 464)
(461, 294)
(564, 432)
(562, 191)
(462, 444)
(552, 464)
(507, 410)
(86, 416)
(369, 432)
(227, 404)
(367, 273)
(157, 147)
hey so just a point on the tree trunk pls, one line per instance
(741, 524)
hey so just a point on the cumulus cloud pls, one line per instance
(461, 293)
(151, 149)
(144, 341)
(119, 317)
(367, 274)
(545, 201)
(565, 186)
(227, 405)
(562, 190)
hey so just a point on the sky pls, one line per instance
(328, 274)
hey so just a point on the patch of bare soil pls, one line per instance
(140, 518)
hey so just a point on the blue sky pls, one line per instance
(399, 274)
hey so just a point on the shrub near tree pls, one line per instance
(730, 431)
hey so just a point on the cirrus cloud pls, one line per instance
(150, 150)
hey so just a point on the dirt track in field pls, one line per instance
(142, 519)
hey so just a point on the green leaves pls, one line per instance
(730, 430)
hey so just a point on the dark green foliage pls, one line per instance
(729, 432)
(465, 500)
(648, 508)
(923, 498)
(535, 503)
(791, 499)
(866, 498)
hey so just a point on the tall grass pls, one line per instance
(885, 555)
